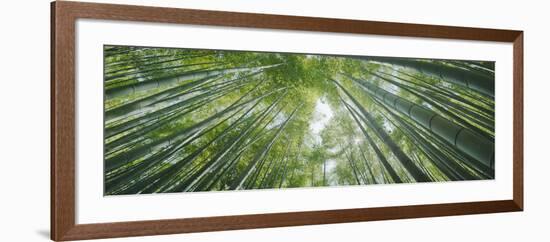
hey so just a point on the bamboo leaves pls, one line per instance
(179, 120)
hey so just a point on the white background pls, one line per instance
(24, 125)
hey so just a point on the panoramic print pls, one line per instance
(190, 120)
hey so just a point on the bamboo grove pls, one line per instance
(185, 120)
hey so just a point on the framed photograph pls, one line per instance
(172, 120)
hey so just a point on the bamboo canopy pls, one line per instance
(481, 82)
(190, 120)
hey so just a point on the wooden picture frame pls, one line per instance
(63, 17)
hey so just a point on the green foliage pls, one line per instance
(182, 120)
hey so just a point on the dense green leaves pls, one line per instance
(179, 120)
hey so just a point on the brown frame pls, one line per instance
(63, 17)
